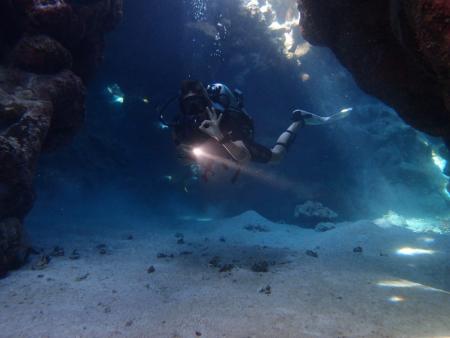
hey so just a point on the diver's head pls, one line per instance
(193, 98)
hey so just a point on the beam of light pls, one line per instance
(438, 161)
(402, 283)
(396, 299)
(162, 126)
(407, 251)
(445, 191)
(116, 93)
(426, 239)
(195, 218)
(302, 49)
(118, 99)
(273, 180)
(441, 163)
(199, 152)
(266, 13)
(305, 77)
(414, 224)
(204, 219)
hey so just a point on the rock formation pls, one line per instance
(397, 50)
(48, 48)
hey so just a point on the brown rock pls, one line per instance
(41, 54)
(397, 50)
(46, 37)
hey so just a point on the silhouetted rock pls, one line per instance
(74, 255)
(324, 226)
(13, 250)
(397, 50)
(312, 253)
(41, 262)
(57, 252)
(226, 268)
(262, 266)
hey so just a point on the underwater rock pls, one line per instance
(41, 54)
(324, 226)
(398, 51)
(82, 277)
(74, 255)
(22, 134)
(214, 262)
(266, 290)
(314, 210)
(102, 249)
(41, 263)
(57, 252)
(46, 49)
(358, 249)
(13, 251)
(256, 228)
(262, 266)
(226, 268)
(312, 253)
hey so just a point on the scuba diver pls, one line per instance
(212, 126)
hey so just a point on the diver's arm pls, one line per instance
(237, 149)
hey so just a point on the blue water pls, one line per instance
(380, 269)
(361, 167)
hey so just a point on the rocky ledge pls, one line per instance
(48, 50)
(397, 50)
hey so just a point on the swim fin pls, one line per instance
(311, 119)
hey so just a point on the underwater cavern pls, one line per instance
(225, 168)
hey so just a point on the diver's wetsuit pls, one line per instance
(258, 152)
(236, 124)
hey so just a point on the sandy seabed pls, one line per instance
(109, 292)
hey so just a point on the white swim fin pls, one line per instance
(311, 119)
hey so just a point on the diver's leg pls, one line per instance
(284, 141)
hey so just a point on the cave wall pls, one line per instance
(48, 50)
(397, 51)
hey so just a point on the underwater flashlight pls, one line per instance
(198, 152)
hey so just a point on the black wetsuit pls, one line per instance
(236, 124)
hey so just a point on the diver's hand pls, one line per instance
(211, 127)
